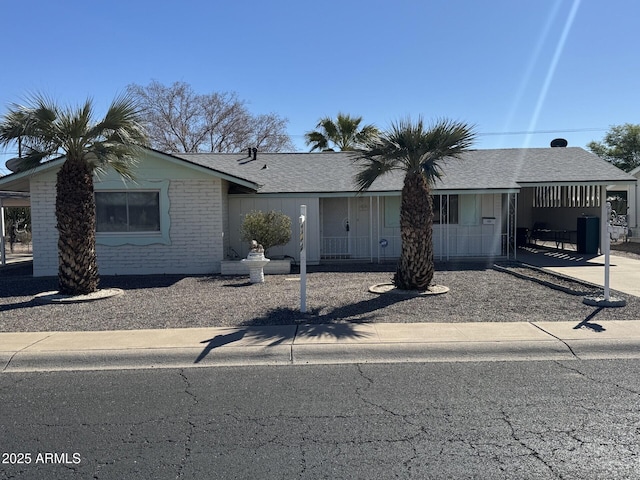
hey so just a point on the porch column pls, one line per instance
(604, 231)
(3, 254)
(378, 226)
(512, 230)
(633, 203)
(370, 229)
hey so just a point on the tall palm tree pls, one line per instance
(45, 130)
(343, 133)
(419, 152)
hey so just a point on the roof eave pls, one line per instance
(204, 169)
(20, 177)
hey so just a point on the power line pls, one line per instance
(535, 132)
(529, 132)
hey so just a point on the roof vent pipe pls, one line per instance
(255, 152)
(559, 142)
(249, 152)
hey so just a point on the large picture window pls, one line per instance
(128, 211)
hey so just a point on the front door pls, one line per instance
(335, 228)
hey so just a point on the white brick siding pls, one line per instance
(225, 219)
(196, 247)
(196, 236)
(45, 234)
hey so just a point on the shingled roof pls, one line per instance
(331, 173)
(334, 172)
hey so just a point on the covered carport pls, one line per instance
(10, 199)
(564, 215)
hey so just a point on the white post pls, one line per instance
(303, 258)
(607, 250)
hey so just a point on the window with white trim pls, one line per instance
(127, 211)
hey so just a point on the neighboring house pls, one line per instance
(184, 211)
(9, 199)
(631, 196)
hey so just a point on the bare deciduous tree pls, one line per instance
(180, 120)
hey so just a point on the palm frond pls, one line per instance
(372, 169)
(43, 130)
(415, 148)
(449, 138)
(122, 123)
(317, 140)
(344, 132)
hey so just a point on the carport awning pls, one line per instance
(15, 199)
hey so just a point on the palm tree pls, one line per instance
(45, 130)
(419, 152)
(344, 133)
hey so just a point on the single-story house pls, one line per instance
(183, 212)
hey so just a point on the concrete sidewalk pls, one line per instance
(346, 342)
(317, 344)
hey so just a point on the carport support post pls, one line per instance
(605, 248)
(303, 258)
(607, 252)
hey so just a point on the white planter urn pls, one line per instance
(256, 262)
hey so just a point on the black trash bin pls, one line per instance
(522, 236)
(588, 235)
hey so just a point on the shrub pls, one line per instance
(269, 229)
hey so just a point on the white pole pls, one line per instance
(303, 258)
(607, 250)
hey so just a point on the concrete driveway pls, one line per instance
(624, 273)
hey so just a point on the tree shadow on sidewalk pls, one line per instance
(331, 324)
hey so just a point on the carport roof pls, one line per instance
(14, 199)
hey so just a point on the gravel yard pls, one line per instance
(478, 293)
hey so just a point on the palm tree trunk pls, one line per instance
(415, 268)
(76, 224)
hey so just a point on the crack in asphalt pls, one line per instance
(192, 424)
(597, 380)
(409, 439)
(534, 453)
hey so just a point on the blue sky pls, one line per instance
(560, 68)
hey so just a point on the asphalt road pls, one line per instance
(485, 420)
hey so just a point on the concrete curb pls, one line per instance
(144, 359)
(317, 344)
(431, 352)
